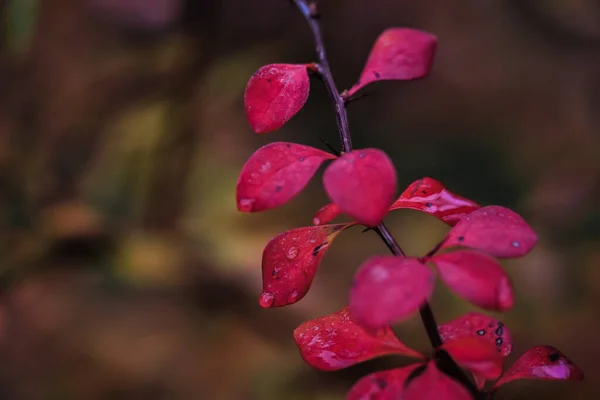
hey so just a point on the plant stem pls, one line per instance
(309, 10)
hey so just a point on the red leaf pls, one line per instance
(476, 355)
(274, 94)
(276, 173)
(430, 196)
(326, 214)
(398, 54)
(290, 261)
(363, 184)
(495, 230)
(475, 324)
(389, 289)
(383, 385)
(543, 363)
(477, 278)
(335, 341)
(433, 384)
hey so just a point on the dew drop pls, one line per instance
(500, 329)
(481, 332)
(291, 253)
(246, 205)
(362, 154)
(266, 300)
(302, 159)
(515, 244)
(293, 296)
(316, 221)
(265, 167)
(499, 342)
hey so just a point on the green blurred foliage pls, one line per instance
(128, 272)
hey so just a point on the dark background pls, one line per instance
(127, 272)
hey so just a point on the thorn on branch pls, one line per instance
(354, 98)
(330, 147)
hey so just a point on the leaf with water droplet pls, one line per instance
(476, 277)
(389, 289)
(274, 94)
(336, 341)
(430, 196)
(542, 363)
(433, 384)
(474, 324)
(290, 261)
(275, 174)
(363, 184)
(326, 214)
(382, 385)
(476, 355)
(495, 230)
(398, 54)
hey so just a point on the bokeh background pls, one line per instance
(126, 270)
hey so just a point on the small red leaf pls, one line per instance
(398, 54)
(476, 277)
(475, 324)
(275, 174)
(476, 355)
(495, 230)
(363, 184)
(383, 385)
(274, 94)
(335, 341)
(430, 196)
(543, 363)
(433, 384)
(326, 214)
(388, 289)
(290, 261)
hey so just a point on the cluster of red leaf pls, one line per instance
(477, 342)
(361, 184)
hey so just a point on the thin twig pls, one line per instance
(309, 10)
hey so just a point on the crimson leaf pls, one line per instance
(389, 289)
(335, 341)
(276, 173)
(382, 385)
(495, 230)
(274, 94)
(363, 184)
(433, 384)
(326, 214)
(290, 261)
(543, 363)
(475, 324)
(430, 196)
(477, 278)
(398, 54)
(476, 355)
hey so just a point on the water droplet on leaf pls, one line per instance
(291, 253)
(246, 205)
(266, 300)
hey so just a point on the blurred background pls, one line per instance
(126, 270)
